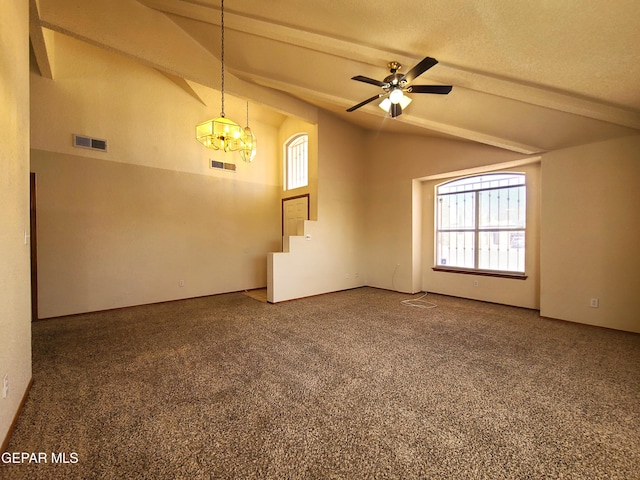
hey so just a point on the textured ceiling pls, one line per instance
(527, 76)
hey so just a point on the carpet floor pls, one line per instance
(349, 385)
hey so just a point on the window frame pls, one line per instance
(477, 229)
(301, 167)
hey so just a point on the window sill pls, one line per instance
(485, 273)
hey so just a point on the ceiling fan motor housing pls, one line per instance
(394, 66)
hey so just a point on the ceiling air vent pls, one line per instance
(223, 165)
(90, 143)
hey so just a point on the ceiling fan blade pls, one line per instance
(372, 81)
(362, 104)
(439, 89)
(420, 68)
(395, 110)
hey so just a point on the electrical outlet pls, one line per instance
(475, 283)
(595, 303)
(181, 283)
(5, 386)
(346, 275)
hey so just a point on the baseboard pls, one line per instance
(5, 442)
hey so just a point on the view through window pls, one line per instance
(480, 223)
(297, 162)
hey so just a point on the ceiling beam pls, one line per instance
(445, 73)
(537, 95)
(175, 62)
(38, 43)
(183, 84)
(405, 118)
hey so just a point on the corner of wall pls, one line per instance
(15, 312)
(589, 231)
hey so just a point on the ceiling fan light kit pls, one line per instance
(396, 84)
(388, 102)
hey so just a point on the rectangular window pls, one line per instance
(481, 223)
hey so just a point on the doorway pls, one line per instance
(295, 210)
(33, 246)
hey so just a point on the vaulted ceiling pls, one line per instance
(527, 76)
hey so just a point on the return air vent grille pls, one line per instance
(90, 143)
(223, 165)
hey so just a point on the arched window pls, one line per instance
(297, 162)
(481, 223)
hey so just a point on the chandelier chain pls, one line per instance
(222, 54)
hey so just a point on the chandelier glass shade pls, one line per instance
(221, 133)
(248, 152)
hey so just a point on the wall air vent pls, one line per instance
(91, 143)
(223, 166)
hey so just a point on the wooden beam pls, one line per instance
(38, 43)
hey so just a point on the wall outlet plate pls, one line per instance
(5, 386)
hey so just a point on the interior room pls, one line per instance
(112, 200)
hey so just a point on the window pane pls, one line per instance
(456, 211)
(501, 250)
(479, 182)
(455, 249)
(502, 208)
(297, 162)
(481, 221)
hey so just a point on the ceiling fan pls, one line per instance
(396, 84)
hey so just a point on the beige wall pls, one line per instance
(112, 235)
(15, 312)
(145, 118)
(126, 226)
(521, 293)
(331, 255)
(589, 234)
(395, 165)
(368, 200)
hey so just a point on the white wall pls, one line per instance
(332, 257)
(15, 312)
(590, 229)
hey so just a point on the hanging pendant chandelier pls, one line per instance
(221, 133)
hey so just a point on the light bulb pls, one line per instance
(396, 95)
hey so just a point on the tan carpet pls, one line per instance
(351, 385)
